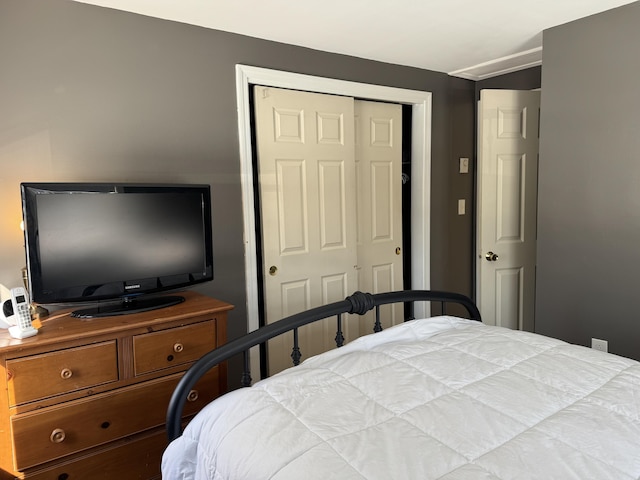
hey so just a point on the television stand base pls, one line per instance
(130, 305)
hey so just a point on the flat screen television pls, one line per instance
(115, 245)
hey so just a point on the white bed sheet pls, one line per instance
(442, 398)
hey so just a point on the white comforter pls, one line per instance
(442, 398)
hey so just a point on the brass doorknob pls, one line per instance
(273, 270)
(491, 257)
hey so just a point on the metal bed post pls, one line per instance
(378, 325)
(245, 380)
(296, 355)
(339, 336)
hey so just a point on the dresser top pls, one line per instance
(59, 326)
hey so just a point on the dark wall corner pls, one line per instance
(527, 79)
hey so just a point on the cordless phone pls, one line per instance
(17, 310)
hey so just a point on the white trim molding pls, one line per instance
(500, 66)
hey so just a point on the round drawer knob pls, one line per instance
(66, 373)
(178, 347)
(193, 396)
(57, 436)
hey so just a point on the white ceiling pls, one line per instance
(472, 39)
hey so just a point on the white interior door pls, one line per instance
(305, 147)
(507, 199)
(379, 187)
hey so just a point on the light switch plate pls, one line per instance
(464, 165)
(462, 207)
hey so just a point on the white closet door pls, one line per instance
(379, 182)
(305, 146)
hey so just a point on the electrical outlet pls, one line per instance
(601, 345)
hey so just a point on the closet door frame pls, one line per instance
(421, 103)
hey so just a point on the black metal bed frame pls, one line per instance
(359, 303)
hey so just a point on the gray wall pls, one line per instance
(92, 94)
(528, 79)
(589, 185)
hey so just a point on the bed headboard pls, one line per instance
(358, 303)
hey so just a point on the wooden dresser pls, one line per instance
(87, 399)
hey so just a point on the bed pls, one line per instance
(439, 398)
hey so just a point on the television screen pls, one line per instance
(89, 242)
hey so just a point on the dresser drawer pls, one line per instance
(41, 376)
(175, 346)
(140, 458)
(54, 432)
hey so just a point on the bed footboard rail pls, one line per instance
(359, 303)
